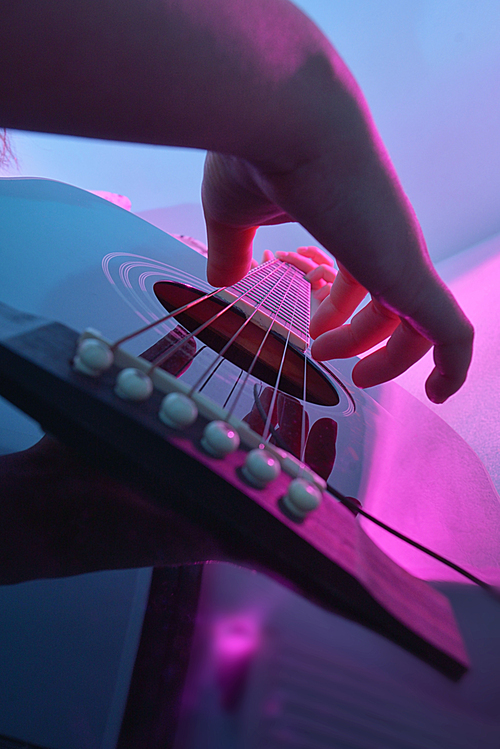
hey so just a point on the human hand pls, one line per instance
(291, 139)
(336, 287)
(360, 214)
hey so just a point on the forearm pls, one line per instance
(253, 78)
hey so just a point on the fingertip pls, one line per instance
(229, 255)
(371, 371)
(358, 379)
(322, 349)
(313, 274)
(324, 319)
(438, 400)
(438, 388)
(218, 277)
(315, 351)
(314, 332)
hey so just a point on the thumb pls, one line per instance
(229, 252)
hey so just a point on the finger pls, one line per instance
(308, 259)
(345, 295)
(322, 293)
(267, 255)
(320, 275)
(316, 255)
(234, 208)
(229, 252)
(449, 373)
(434, 313)
(405, 347)
(296, 260)
(373, 324)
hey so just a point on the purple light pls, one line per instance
(236, 640)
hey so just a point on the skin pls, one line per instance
(290, 138)
(409, 304)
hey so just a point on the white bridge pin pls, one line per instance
(178, 411)
(220, 439)
(301, 498)
(260, 468)
(133, 385)
(93, 357)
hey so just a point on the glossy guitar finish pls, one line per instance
(328, 557)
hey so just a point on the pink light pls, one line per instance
(236, 640)
(236, 637)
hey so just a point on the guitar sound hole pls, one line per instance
(319, 389)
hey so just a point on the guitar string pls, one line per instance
(339, 496)
(233, 338)
(303, 435)
(160, 360)
(163, 319)
(262, 413)
(342, 498)
(269, 431)
(266, 435)
(208, 322)
(278, 439)
(256, 356)
(178, 311)
(359, 510)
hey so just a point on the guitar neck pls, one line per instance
(278, 296)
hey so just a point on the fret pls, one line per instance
(273, 311)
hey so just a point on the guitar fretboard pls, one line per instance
(278, 296)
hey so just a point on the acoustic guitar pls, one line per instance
(216, 407)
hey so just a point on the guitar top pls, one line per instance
(117, 273)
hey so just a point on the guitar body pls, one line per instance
(72, 257)
(73, 285)
(396, 457)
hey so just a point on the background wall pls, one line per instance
(430, 70)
